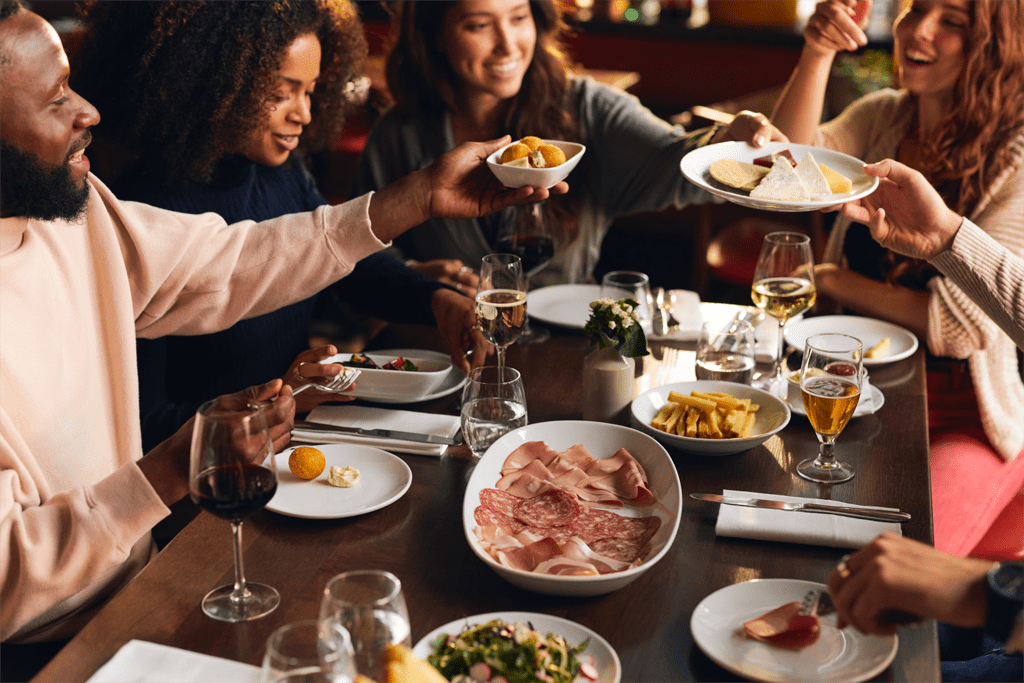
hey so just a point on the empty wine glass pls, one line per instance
(493, 403)
(783, 287)
(530, 240)
(309, 651)
(369, 604)
(501, 301)
(631, 284)
(830, 384)
(231, 474)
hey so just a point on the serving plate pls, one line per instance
(602, 440)
(562, 305)
(400, 386)
(870, 331)
(609, 669)
(839, 656)
(697, 164)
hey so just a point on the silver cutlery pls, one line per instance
(846, 511)
(663, 322)
(818, 603)
(306, 425)
(337, 385)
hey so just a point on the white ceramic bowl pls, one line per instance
(602, 440)
(403, 384)
(772, 416)
(513, 176)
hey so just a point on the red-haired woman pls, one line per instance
(959, 120)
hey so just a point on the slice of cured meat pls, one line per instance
(550, 509)
(621, 549)
(785, 626)
(527, 453)
(486, 516)
(592, 525)
(499, 501)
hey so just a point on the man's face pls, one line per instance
(44, 125)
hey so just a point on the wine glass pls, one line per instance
(493, 403)
(631, 284)
(783, 287)
(501, 301)
(830, 383)
(369, 604)
(231, 474)
(530, 240)
(725, 352)
(309, 651)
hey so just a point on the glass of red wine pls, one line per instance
(231, 474)
(530, 240)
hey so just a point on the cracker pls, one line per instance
(737, 174)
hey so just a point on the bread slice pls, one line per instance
(737, 174)
(405, 667)
(781, 184)
(812, 178)
(837, 182)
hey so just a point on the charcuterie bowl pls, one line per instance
(408, 385)
(602, 441)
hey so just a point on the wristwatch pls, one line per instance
(1004, 588)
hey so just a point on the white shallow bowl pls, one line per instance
(602, 440)
(512, 176)
(772, 417)
(408, 385)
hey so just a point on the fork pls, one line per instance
(818, 603)
(336, 385)
(663, 322)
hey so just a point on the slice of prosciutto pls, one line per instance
(785, 626)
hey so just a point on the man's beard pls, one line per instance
(31, 189)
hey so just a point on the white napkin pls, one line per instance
(141, 662)
(379, 418)
(685, 308)
(836, 531)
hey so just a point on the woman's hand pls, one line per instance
(307, 368)
(752, 128)
(837, 25)
(449, 271)
(456, 321)
(895, 573)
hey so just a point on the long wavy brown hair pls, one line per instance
(422, 81)
(182, 85)
(972, 146)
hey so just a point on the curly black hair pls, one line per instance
(182, 85)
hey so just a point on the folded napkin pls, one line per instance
(836, 531)
(684, 306)
(141, 662)
(379, 418)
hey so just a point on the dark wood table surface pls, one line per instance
(420, 538)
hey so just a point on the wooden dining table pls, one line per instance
(420, 538)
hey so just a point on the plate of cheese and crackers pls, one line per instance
(781, 176)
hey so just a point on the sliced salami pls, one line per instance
(485, 516)
(552, 508)
(499, 501)
(560, 534)
(621, 549)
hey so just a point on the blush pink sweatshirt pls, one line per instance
(75, 509)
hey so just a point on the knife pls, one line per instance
(860, 513)
(381, 433)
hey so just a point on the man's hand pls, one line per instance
(456, 321)
(308, 367)
(750, 127)
(905, 213)
(896, 573)
(451, 272)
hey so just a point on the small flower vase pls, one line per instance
(607, 386)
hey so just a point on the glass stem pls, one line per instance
(778, 352)
(240, 593)
(825, 457)
(501, 358)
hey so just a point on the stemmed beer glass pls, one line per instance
(231, 474)
(830, 384)
(530, 240)
(501, 301)
(783, 287)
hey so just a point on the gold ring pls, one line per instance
(842, 568)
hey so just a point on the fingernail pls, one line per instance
(759, 140)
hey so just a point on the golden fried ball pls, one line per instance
(533, 142)
(516, 150)
(552, 155)
(307, 462)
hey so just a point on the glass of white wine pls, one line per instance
(830, 384)
(783, 287)
(501, 301)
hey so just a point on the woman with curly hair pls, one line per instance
(211, 106)
(460, 70)
(959, 120)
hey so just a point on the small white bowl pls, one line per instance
(602, 440)
(406, 385)
(772, 416)
(514, 176)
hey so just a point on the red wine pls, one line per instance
(535, 252)
(233, 491)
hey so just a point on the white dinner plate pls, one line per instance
(609, 669)
(384, 479)
(562, 305)
(697, 164)
(869, 330)
(839, 656)
(453, 382)
(877, 401)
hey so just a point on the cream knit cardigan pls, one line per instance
(872, 129)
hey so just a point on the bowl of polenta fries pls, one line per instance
(710, 418)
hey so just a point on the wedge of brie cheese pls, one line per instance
(812, 177)
(781, 184)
